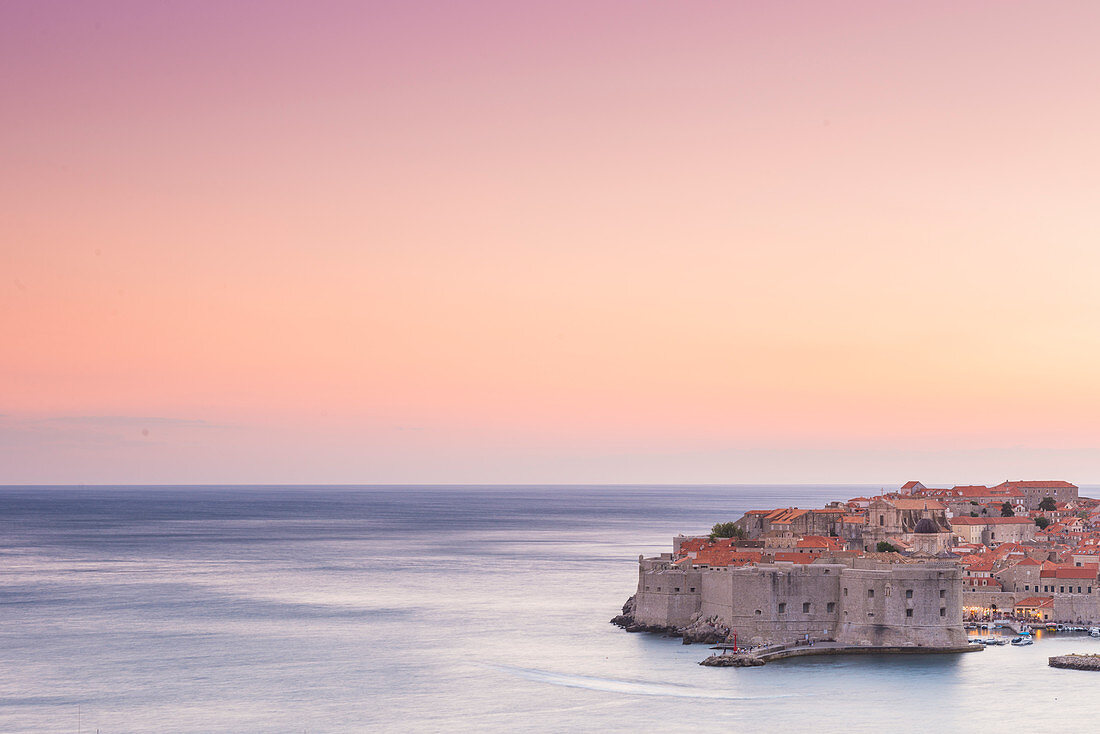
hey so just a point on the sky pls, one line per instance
(549, 242)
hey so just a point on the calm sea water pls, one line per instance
(322, 609)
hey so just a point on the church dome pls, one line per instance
(925, 525)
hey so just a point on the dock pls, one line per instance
(782, 652)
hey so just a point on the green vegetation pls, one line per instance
(884, 547)
(1006, 510)
(1042, 522)
(1048, 504)
(973, 514)
(726, 530)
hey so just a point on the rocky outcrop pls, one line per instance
(1075, 662)
(737, 660)
(707, 631)
(625, 619)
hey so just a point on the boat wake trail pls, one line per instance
(636, 688)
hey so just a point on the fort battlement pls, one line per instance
(860, 602)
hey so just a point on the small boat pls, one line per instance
(1094, 631)
(996, 641)
(1023, 640)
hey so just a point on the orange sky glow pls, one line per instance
(549, 242)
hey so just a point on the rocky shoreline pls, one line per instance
(705, 631)
(1075, 662)
(735, 660)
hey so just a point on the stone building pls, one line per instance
(861, 602)
(920, 523)
(993, 530)
(1035, 491)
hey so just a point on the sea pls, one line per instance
(432, 609)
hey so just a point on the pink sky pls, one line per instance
(549, 242)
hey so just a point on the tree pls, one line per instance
(1047, 504)
(1042, 522)
(1006, 510)
(884, 547)
(726, 530)
(973, 514)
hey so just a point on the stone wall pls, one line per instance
(785, 602)
(667, 596)
(907, 604)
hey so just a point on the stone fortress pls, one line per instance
(853, 601)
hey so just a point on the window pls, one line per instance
(908, 612)
(782, 608)
(870, 593)
(692, 589)
(845, 591)
(805, 607)
(647, 588)
(908, 593)
(1027, 588)
(758, 611)
(830, 607)
(881, 519)
(1062, 589)
(658, 588)
(943, 593)
(943, 612)
(677, 589)
(1078, 589)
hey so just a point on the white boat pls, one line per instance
(1094, 631)
(1023, 640)
(996, 641)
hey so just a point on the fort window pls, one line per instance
(943, 593)
(647, 588)
(692, 589)
(870, 593)
(943, 612)
(677, 588)
(782, 607)
(870, 614)
(830, 607)
(658, 588)
(805, 607)
(845, 591)
(758, 611)
(908, 612)
(908, 593)
(881, 519)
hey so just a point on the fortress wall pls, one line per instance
(768, 602)
(1076, 608)
(667, 596)
(717, 598)
(784, 602)
(874, 603)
